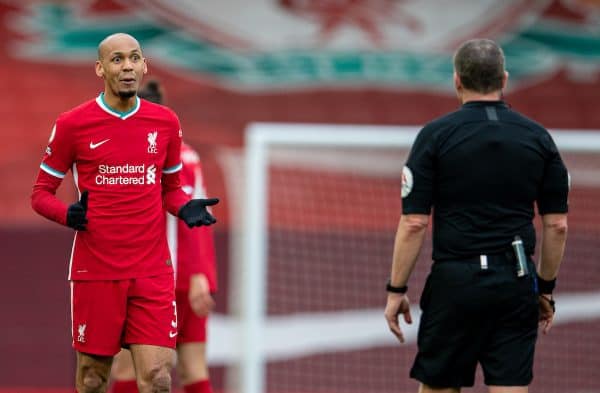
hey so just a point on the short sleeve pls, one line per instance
(59, 155)
(554, 190)
(418, 175)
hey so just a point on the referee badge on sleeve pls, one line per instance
(407, 181)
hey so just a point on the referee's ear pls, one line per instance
(505, 80)
(457, 83)
(458, 86)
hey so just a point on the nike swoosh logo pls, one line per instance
(95, 145)
(172, 334)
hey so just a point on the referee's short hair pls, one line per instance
(479, 63)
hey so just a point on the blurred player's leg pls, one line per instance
(92, 373)
(192, 368)
(123, 373)
(191, 346)
(153, 366)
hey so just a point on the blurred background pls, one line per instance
(228, 63)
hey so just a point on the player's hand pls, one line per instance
(76, 213)
(397, 303)
(546, 312)
(200, 298)
(195, 214)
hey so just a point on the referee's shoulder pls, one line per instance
(447, 121)
(519, 119)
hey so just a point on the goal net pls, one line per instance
(319, 207)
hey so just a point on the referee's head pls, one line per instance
(479, 67)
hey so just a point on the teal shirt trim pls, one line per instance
(51, 171)
(173, 169)
(121, 115)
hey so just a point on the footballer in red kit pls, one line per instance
(124, 154)
(194, 261)
(119, 158)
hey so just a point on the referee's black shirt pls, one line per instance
(482, 169)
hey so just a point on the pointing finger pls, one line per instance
(211, 201)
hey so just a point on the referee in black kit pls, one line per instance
(482, 168)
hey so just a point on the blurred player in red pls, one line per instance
(193, 256)
(124, 153)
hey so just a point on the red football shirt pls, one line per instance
(193, 250)
(129, 164)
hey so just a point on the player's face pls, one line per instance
(122, 67)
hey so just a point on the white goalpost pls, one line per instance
(295, 318)
(259, 138)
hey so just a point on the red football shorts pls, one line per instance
(192, 328)
(109, 314)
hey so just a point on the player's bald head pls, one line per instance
(117, 41)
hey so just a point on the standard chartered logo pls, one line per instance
(127, 174)
(151, 174)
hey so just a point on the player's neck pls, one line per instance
(117, 103)
(468, 95)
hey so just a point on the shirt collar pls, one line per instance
(121, 115)
(478, 104)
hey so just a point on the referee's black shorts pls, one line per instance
(470, 315)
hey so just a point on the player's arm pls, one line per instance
(203, 271)
(55, 163)
(44, 200)
(207, 262)
(45, 203)
(201, 258)
(173, 196)
(199, 296)
(193, 212)
(200, 255)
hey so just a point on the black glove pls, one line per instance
(76, 213)
(194, 212)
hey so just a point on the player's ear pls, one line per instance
(145, 66)
(99, 69)
(505, 80)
